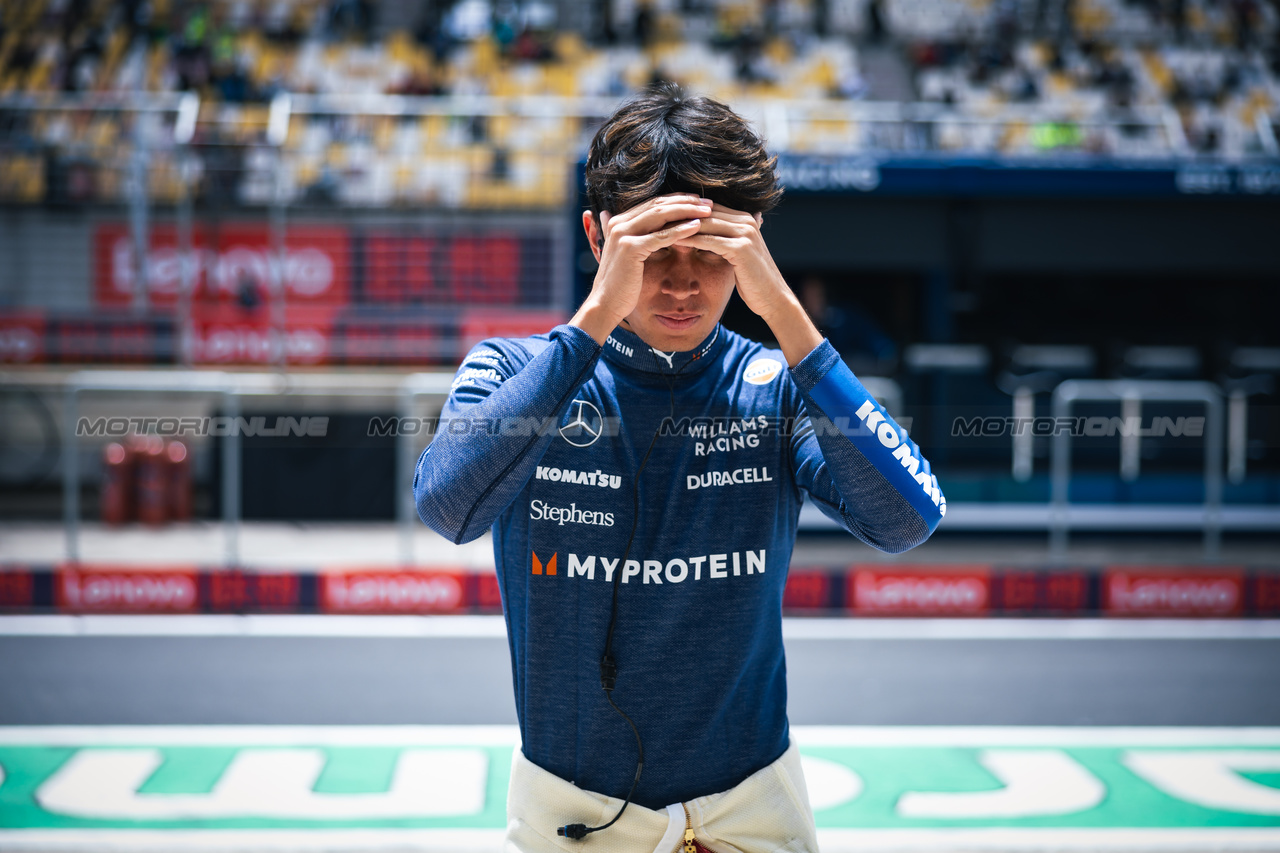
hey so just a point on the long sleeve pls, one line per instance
(856, 463)
(501, 414)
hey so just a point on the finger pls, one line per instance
(605, 216)
(670, 235)
(725, 227)
(662, 201)
(734, 215)
(706, 242)
(657, 217)
(676, 198)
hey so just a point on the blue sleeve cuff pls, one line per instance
(809, 372)
(578, 340)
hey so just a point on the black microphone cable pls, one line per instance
(608, 666)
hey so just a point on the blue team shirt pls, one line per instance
(541, 439)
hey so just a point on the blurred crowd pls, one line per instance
(1215, 63)
(1125, 78)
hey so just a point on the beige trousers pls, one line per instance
(769, 811)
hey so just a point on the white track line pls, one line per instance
(485, 840)
(237, 735)
(806, 736)
(793, 629)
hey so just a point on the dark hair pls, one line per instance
(666, 141)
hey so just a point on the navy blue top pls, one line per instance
(541, 439)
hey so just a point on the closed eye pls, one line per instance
(700, 254)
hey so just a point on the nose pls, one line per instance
(679, 278)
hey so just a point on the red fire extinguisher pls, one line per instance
(178, 463)
(153, 492)
(116, 497)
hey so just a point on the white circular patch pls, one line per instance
(762, 371)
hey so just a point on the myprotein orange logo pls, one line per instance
(538, 566)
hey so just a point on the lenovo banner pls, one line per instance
(231, 263)
(393, 592)
(229, 334)
(127, 590)
(1146, 591)
(919, 590)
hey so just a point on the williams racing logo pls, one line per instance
(720, 435)
(705, 567)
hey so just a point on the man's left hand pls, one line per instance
(735, 236)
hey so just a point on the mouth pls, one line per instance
(677, 322)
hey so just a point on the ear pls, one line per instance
(594, 236)
(760, 220)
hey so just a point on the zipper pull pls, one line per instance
(689, 845)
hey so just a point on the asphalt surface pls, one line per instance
(428, 680)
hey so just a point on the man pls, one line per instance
(642, 469)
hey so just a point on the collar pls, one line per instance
(626, 349)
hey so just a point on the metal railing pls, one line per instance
(1130, 393)
(232, 388)
(137, 382)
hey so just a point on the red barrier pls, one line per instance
(488, 596)
(1265, 600)
(875, 590)
(480, 323)
(126, 590)
(808, 589)
(225, 591)
(21, 337)
(1026, 591)
(866, 590)
(16, 590)
(405, 591)
(1175, 591)
(274, 592)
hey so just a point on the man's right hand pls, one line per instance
(629, 239)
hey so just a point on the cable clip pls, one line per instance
(608, 673)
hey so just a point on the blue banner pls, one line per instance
(976, 177)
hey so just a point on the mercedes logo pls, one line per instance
(585, 425)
